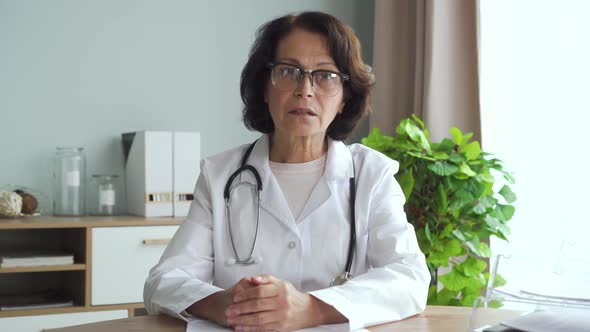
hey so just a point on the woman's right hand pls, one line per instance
(213, 307)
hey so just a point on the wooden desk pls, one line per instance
(434, 319)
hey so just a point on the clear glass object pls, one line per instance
(539, 287)
(103, 195)
(69, 187)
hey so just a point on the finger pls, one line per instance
(241, 285)
(257, 292)
(254, 319)
(264, 279)
(251, 306)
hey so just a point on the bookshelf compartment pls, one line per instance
(33, 241)
(41, 287)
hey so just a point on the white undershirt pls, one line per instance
(297, 181)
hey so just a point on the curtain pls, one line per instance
(425, 60)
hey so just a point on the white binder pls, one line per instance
(186, 158)
(149, 173)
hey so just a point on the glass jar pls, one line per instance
(69, 187)
(103, 195)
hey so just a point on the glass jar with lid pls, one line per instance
(103, 196)
(69, 187)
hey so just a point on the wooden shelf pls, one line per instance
(67, 310)
(72, 281)
(39, 222)
(47, 268)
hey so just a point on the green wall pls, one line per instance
(80, 73)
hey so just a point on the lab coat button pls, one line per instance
(292, 245)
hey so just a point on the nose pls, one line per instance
(305, 86)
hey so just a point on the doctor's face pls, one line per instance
(299, 108)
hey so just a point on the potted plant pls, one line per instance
(453, 204)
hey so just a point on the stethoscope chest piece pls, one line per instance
(341, 279)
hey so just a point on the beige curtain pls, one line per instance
(426, 63)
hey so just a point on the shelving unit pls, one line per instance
(137, 246)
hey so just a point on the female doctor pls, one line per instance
(296, 229)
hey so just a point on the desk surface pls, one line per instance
(434, 319)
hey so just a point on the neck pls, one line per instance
(300, 149)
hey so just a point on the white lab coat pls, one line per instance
(390, 274)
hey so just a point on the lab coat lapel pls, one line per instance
(272, 199)
(338, 168)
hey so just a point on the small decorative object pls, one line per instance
(69, 176)
(10, 204)
(30, 202)
(34, 202)
(103, 195)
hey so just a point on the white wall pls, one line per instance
(535, 68)
(81, 72)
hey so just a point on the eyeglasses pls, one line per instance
(286, 77)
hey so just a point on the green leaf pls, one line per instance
(509, 177)
(418, 120)
(444, 205)
(472, 150)
(484, 204)
(445, 296)
(486, 177)
(460, 199)
(406, 181)
(497, 227)
(498, 280)
(481, 249)
(495, 304)
(454, 280)
(452, 248)
(467, 301)
(503, 212)
(508, 194)
(448, 229)
(457, 158)
(467, 137)
(472, 267)
(457, 135)
(440, 155)
(446, 145)
(465, 169)
(459, 235)
(427, 232)
(443, 168)
(416, 134)
(432, 295)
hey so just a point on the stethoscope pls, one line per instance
(250, 259)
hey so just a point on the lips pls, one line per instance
(303, 111)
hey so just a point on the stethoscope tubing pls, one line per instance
(250, 259)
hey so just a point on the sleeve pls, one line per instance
(185, 270)
(397, 284)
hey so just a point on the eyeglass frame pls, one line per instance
(343, 77)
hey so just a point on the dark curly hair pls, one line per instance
(345, 50)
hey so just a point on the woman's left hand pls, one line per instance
(272, 305)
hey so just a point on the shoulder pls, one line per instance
(368, 159)
(223, 161)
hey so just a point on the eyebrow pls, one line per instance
(299, 63)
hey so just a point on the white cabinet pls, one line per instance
(41, 322)
(121, 260)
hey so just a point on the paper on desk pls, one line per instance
(203, 325)
(552, 321)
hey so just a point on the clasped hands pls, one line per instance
(266, 303)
